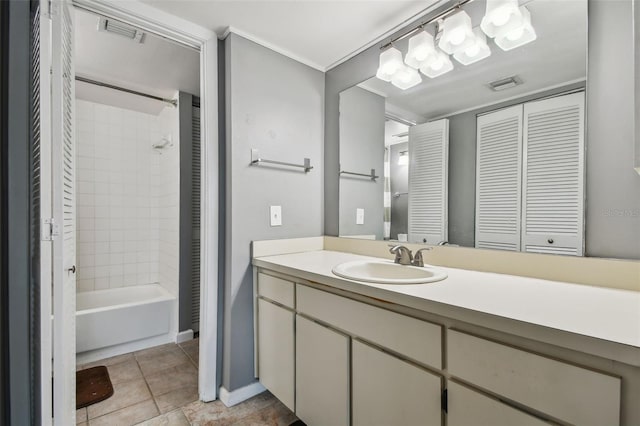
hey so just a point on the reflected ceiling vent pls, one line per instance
(505, 83)
(112, 26)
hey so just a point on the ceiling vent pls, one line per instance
(505, 83)
(112, 26)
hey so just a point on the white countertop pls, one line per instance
(597, 312)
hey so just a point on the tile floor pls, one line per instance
(159, 386)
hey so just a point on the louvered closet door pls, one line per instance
(428, 181)
(41, 207)
(195, 217)
(553, 177)
(498, 179)
(64, 211)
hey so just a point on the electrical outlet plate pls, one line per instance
(275, 214)
(359, 216)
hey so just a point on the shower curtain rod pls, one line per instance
(122, 89)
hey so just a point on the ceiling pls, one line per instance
(557, 57)
(316, 32)
(157, 66)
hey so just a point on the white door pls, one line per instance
(553, 176)
(428, 182)
(498, 179)
(64, 211)
(43, 228)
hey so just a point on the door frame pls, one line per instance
(206, 42)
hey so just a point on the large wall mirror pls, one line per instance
(487, 154)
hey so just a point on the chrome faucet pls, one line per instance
(417, 259)
(403, 255)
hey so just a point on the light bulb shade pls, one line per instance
(390, 63)
(421, 48)
(406, 78)
(518, 36)
(438, 65)
(501, 16)
(456, 33)
(476, 52)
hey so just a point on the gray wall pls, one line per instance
(612, 201)
(361, 149)
(22, 378)
(399, 182)
(636, 20)
(275, 104)
(613, 187)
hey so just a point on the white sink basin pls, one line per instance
(387, 272)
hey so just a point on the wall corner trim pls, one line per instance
(231, 398)
(271, 46)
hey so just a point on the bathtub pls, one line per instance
(117, 316)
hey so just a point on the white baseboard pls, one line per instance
(184, 336)
(237, 396)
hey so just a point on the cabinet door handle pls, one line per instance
(72, 269)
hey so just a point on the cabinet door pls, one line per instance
(468, 407)
(389, 391)
(322, 374)
(276, 351)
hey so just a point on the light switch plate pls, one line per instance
(359, 216)
(275, 213)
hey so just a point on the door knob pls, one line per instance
(72, 269)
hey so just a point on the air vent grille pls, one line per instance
(505, 83)
(109, 25)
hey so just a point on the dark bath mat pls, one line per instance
(92, 385)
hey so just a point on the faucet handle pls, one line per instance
(417, 258)
(403, 254)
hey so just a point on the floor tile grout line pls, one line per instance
(144, 377)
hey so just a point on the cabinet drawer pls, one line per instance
(413, 338)
(567, 392)
(276, 289)
(468, 407)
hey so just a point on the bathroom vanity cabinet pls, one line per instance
(340, 358)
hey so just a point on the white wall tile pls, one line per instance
(118, 186)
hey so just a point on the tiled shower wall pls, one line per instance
(119, 194)
(170, 203)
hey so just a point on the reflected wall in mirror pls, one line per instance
(488, 155)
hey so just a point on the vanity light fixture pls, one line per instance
(421, 49)
(475, 52)
(406, 77)
(438, 65)
(518, 36)
(457, 33)
(501, 16)
(390, 63)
